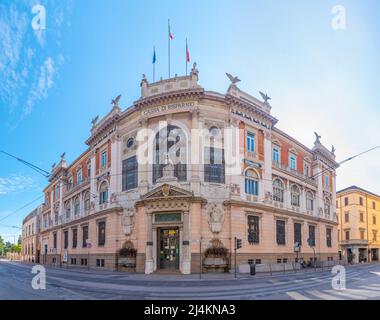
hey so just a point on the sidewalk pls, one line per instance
(192, 277)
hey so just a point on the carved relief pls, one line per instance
(128, 220)
(215, 214)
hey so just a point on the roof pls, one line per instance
(356, 188)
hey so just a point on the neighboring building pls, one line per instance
(122, 191)
(359, 224)
(30, 251)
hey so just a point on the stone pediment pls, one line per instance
(167, 191)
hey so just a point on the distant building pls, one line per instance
(359, 224)
(30, 246)
(234, 174)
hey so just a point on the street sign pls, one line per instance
(88, 244)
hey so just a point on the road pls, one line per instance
(362, 282)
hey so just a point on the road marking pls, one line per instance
(347, 293)
(377, 273)
(322, 295)
(297, 296)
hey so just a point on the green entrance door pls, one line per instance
(168, 249)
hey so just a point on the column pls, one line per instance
(267, 176)
(195, 153)
(186, 243)
(149, 244)
(142, 158)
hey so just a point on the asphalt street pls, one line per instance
(362, 282)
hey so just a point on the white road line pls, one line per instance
(347, 293)
(297, 296)
(322, 295)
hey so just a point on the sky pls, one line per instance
(53, 82)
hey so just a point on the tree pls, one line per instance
(2, 246)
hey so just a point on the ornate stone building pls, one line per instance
(184, 166)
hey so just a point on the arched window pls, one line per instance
(327, 206)
(103, 193)
(170, 146)
(68, 210)
(278, 190)
(251, 182)
(76, 206)
(309, 201)
(295, 195)
(87, 202)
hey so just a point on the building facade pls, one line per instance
(359, 224)
(183, 168)
(30, 247)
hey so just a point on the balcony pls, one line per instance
(77, 187)
(294, 173)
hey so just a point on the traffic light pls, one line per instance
(238, 244)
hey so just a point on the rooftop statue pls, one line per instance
(234, 80)
(265, 97)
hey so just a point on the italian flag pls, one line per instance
(171, 37)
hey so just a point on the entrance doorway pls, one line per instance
(168, 248)
(374, 254)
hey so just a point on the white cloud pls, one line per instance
(16, 183)
(23, 84)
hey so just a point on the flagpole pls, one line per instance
(186, 57)
(169, 46)
(154, 64)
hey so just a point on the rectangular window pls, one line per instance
(66, 239)
(293, 162)
(374, 235)
(100, 263)
(312, 236)
(298, 233)
(360, 201)
(361, 234)
(75, 238)
(251, 187)
(346, 217)
(55, 240)
(374, 205)
(280, 232)
(346, 201)
(361, 216)
(84, 236)
(250, 142)
(326, 182)
(104, 159)
(328, 237)
(214, 171)
(276, 155)
(83, 262)
(79, 177)
(101, 233)
(130, 172)
(307, 170)
(253, 230)
(347, 233)
(373, 219)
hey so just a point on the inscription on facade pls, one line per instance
(182, 106)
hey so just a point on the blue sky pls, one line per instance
(53, 83)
